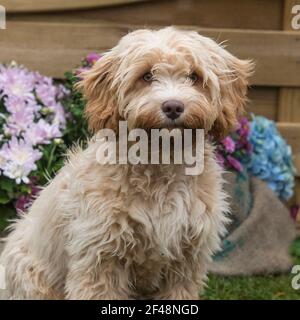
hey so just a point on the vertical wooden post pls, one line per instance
(289, 98)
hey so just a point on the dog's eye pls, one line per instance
(148, 77)
(193, 77)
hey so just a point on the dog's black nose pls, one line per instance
(173, 108)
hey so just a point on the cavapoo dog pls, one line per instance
(128, 231)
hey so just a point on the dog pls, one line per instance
(135, 231)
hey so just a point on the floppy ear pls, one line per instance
(233, 76)
(96, 84)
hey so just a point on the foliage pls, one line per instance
(39, 120)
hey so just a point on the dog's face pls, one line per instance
(165, 79)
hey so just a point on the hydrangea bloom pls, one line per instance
(258, 147)
(31, 116)
(271, 160)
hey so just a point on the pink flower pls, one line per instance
(46, 93)
(19, 159)
(25, 201)
(229, 144)
(244, 127)
(19, 121)
(235, 163)
(92, 58)
(62, 92)
(18, 82)
(59, 117)
(14, 104)
(42, 133)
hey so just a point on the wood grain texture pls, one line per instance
(53, 48)
(55, 5)
(289, 105)
(289, 98)
(291, 132)
(252, 14)
(289, 109)
(263, 101)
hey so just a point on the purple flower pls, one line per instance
(17, 82)
(19, 121)
(235, 163)
(92, 58)
(244, 127)
(61, 92)
(229, 144)
(19, 159)
(14, 104)
(59, 117)
(46, 93)
(25, 201)
(42, 133)
(32, 115)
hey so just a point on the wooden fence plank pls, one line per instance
(54, 5)
(289, 104)
(263, 101)
(53, 48)
(289, 98)
(291, 132)
(252, 14)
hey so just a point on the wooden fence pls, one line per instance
(52, 35)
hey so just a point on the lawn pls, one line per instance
(250, 288)
(271, 287)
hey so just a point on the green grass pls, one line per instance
(271, 287)
(251, 288)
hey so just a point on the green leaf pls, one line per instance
(7, 212)
(4, 198)
(6, 184)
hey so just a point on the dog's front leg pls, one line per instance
(183, 281)
(95, 269)
(181, 291)
(98, 282)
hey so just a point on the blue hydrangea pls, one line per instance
(271, 159)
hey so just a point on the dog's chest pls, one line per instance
(160, 211)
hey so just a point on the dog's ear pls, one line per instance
(97, 86)
(233, 75)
